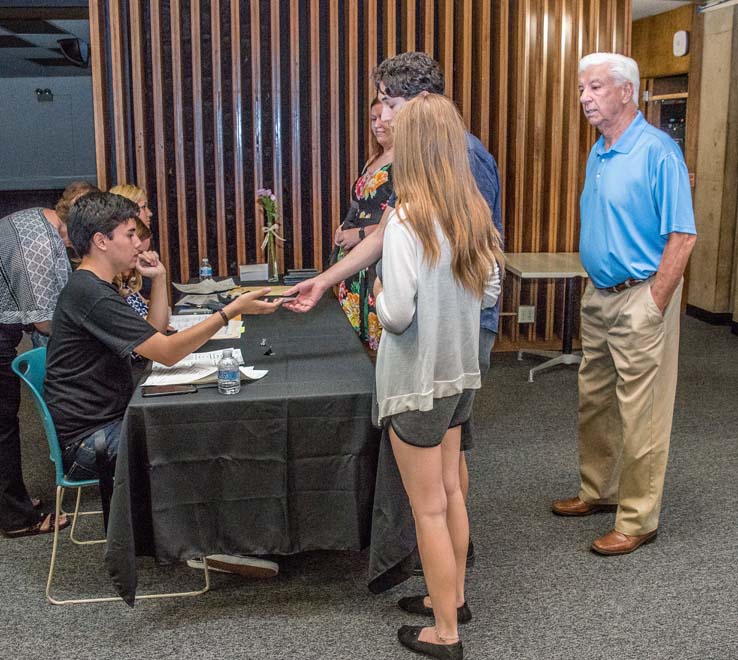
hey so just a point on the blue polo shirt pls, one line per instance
(484, 170)
(635, 194)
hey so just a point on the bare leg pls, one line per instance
(464, 476)
(457, 519)
(430, 477)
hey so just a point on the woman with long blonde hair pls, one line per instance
(441, 264)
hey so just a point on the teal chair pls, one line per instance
(31, 368)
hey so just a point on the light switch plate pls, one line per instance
(526, 313)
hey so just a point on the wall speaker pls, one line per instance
(76, 51)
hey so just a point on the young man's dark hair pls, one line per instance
(409, 74)
(97, 212)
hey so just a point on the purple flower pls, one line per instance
(264, 192)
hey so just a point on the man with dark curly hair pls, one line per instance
(408, 75)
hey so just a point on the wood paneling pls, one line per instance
(235, 95)
(652, 42)
(99, 85)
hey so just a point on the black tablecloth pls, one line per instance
(287, 465)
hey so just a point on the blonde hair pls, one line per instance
(129, 191)
(434, 183)
(130, 282)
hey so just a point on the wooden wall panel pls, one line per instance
(175, 22)
(304, 67)
(238, 144)
(652, 43)
(98, 66)
(198, 131)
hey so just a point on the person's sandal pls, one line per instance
(39, 528)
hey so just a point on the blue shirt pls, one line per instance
(635, 194)
(484, 170)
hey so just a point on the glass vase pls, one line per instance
(271, 255)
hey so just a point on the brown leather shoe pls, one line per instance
(575, 506)
(617, 543)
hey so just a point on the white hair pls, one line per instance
(622, 69)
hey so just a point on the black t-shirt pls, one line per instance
(88, 368)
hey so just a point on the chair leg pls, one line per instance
(74, 522)
(108, 599)
(49, 597)
(206, 587)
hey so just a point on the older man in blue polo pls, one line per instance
(637, 232)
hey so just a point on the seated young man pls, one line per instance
(88, 371)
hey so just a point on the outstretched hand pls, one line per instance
(250, 303)
(308, 293)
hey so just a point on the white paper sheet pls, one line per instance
(196, 373)
(184, 321)
(208, 286)
(196, 367)
(253, 374)
(208, 358)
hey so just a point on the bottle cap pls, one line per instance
(227, 352)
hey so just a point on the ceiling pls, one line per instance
(29, 39)
(643, 8)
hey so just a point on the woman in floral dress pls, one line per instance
(369, 196)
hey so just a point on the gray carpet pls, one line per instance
(536, 591)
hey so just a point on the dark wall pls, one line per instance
(16, 200)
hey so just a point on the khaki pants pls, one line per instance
(627, 384)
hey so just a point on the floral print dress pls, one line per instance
(370, 193)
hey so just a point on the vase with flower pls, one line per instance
(268, 202)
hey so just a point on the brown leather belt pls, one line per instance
(630, 282)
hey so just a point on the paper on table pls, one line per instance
(195, 368)
(195, 299)
(208, 286)
(184, 321)
(207, 358)
(196, 373)
(253, 374)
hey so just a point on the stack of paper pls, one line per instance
(198, 368)
(206, 286)
(183, 321)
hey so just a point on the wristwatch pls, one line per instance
(362, 234)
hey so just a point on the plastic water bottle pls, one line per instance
(206, 270)
(229, 377)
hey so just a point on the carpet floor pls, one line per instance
(536, 591)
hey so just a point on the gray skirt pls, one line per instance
(427, 428)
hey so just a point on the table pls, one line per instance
(551, 265)
(287, 465)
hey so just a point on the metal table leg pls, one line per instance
(566, 355)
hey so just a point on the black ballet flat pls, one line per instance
(408, 636)
(414, 605)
